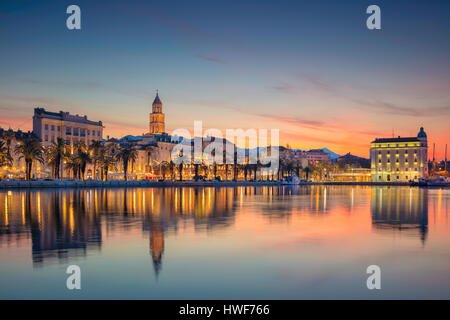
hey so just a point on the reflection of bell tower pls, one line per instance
(156, 247)
(157, 117)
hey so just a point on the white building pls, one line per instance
(399, 159)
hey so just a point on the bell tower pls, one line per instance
(157, 117)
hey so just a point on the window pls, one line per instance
(406, 177)
(406, 160)
(46, 137)
(379, 177)
(379, 161)
(68, 142)
(389, 160)
(379, 152)
(398, 177)
(53, 128)
(88, 132)
(75, 131)
(68, 131)
(388, 152)
(82, 132)
(59, 128)
(53, 139)
(46, 127)
(406, 151)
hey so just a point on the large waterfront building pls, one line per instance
(49, 126)
(399, 159)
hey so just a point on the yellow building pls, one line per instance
(399, 159)
(48, 126)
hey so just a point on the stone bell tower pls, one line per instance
(157, 117)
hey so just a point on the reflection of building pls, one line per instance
(402, 209)
(399, 159)
(61, 225)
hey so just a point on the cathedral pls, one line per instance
(157, 125)
(154, 147)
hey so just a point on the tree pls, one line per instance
(8, 137)
(126, 154)
(180, 170)
(96, 148)
(164, 166)
(5, 159)
(307, 170)
(149, 149)
(30, 149)
(106, 161)
(83, 159)
(72, 164)
(55, 156)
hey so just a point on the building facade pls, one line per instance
(48, 126)
(399, 159)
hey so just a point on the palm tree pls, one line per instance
(96, 149)
(180, 170)
(55, 156)
(71, 164)
(30, 149)
(8, 137)
(126, 154)
(149, 149)
(5, 158)
(83, 158)
(106, 162)
(307, 170)
(164, 166)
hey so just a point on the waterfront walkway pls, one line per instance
(8, 184)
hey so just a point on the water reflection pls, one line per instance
(69, 223)
(400, 209)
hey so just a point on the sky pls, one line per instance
(311, 69)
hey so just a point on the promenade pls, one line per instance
(8, 184)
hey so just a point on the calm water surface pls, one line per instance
(226, 243)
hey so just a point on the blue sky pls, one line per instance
(310, 68)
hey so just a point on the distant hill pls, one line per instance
(333, 155)
(354, 161)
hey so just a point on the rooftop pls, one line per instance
(399, 139)
(65, 116)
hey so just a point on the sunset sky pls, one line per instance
(309, 68)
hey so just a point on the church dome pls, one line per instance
(422, 133)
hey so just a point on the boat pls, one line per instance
(435, 182)
(439, 182)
